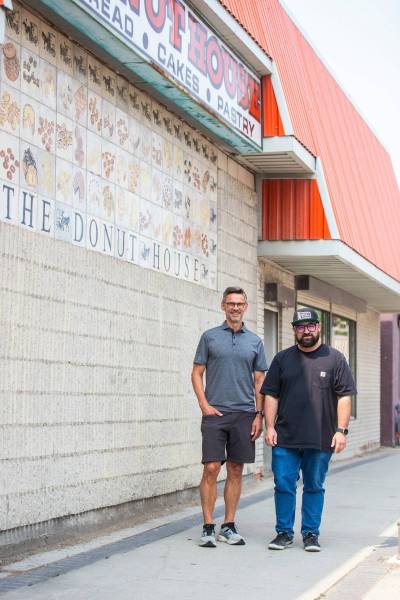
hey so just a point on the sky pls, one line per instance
(359, 41)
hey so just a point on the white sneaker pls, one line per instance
(207, 539)
(229, 535)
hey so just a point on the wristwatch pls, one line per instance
(343, 430)
(259, 412)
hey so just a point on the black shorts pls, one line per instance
(228, 438)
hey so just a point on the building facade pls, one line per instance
(151, 155)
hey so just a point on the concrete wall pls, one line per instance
(96, 405)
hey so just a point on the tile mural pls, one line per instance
(87, 158)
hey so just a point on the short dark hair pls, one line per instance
(233, 290)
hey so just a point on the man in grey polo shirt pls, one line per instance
(234, 361)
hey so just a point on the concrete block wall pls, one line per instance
(96, 405)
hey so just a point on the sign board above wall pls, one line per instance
(169, 35)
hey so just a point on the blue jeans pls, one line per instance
(286, 466)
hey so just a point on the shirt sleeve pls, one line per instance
(344, 382)
(201, 355)
(260, 361)
(272, 381)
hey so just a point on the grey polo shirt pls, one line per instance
(230, 359)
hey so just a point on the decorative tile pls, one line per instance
(177, 198)
(108, 114)
(122, 94)
(178, 165)
(11, 63)
(157, 155)
(145, 253)
(145, 216)
(95, 75)
(63, 222)
(177, 234)
(156, 112)
(134, 102)
(126, 209)
(10, 111)
(46, 128)
(109, 85)
(135, 136)
(156, 186)
(156, 222)
(167, 155)
(29, 165)
(146, 144)
(168, 228)
(47, 174)
(48, 43)
(13, 22)
(64, 137)
(79, 189)
(145, 180)
(167, 192)
(95, 120)
(81, 104)
(108, 200)
(48, 78)
(64, 181)
(108, 160)
(30, 30)
(65, 54)
(65, 94)
(93, 160)
(80, 64)
(30, 73)
(79, 147)
(94, 194)
(145, 109)
(29, 118)
(121, 168)
(9, 158)
(122, 129)
(178, 130)
(133, 174)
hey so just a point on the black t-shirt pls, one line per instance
(308, 385)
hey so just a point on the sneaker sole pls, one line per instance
(241, 542)
(312, 549)
(276, 547)
(208, 545)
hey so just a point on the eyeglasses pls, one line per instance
(311, 327)
(240, 305)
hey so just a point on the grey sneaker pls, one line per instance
(229, 535)
(207, 539)
(283, 540)
(311, 544)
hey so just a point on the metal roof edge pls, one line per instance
(326, 200)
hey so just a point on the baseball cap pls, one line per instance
(304, 314)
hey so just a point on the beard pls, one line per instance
(309, 341)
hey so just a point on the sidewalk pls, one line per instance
(161, 560)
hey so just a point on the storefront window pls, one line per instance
(344, 340)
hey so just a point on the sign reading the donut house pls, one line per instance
(170, 35)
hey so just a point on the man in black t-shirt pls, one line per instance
(308, 391)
